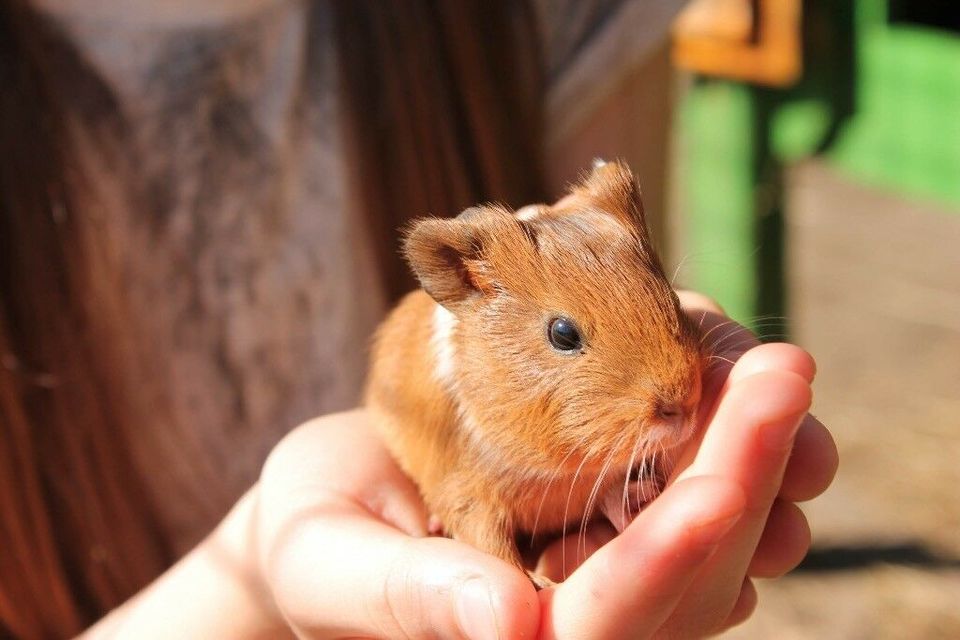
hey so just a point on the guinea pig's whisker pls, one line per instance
(592, 499)
(639, 473)
(543, 499)
(648, 457)
(680, 265)
(769, 317)
(546, 491)
(566, 512)
(729, 340)
(661, 471)
(721, 325)
(643, 471)
(625, 504)
(727, 330)
(732, 343)
(703, 316)
(721, 358)
(647, 470)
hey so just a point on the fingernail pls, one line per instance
(777, 438)
(475, 612)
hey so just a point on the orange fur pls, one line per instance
(517, 435)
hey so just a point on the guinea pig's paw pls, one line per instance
(539, 581)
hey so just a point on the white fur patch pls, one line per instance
(528, 212)
(442, 341)
(444, 354)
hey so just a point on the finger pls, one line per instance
(562, 557)
(765, 357)
(750, 435)
(744, 608)
(627, 588)
(335, 522)
(725, 339)
(747, 440)
(338, 572)
(784, 542)
(775, 356)
(693, 301)
(813, 462)
(341, 455)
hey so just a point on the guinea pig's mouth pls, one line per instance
(648, 476)
(644, 483)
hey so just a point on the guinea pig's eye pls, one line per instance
(564, 335)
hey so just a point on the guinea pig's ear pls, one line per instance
(614, 188)
(447, 256)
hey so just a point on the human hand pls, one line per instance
(343, 551)
(344, 548)
(776, 471)
(750, 411)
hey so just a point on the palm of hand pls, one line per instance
(343, 547)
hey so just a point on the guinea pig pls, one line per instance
(544, 364)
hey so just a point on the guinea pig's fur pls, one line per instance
(505, 435)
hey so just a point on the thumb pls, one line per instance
(348, 574)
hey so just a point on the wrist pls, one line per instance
(215, 591)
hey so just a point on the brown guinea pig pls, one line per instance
(545, 363)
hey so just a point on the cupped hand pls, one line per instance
(756, 435)
(343, 550)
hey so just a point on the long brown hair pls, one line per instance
(442, 104)
(443, 101)
(76, 531)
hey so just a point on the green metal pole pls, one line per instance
(734, 202)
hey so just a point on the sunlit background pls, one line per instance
(806, 158)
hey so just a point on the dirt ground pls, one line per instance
(875, 296)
